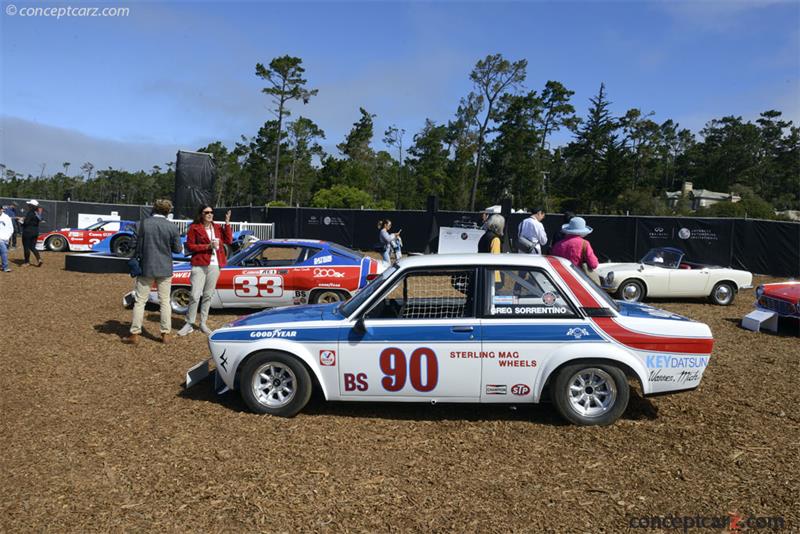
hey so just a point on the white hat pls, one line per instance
(492, 209)
(33, 202)
(576, 226)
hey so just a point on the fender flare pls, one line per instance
(290, 348)
(596, 351)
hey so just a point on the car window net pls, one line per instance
(429, 296)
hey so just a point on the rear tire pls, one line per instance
(326, 296)
(179, 299)
(723, 294)
(56, 243)
(275, 384)
(122, 246)
(631, 291)
(591, 394)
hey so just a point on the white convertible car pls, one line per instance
(664, 272)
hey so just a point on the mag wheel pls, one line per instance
(723, 294)
(275, 384)
(326, 297)
(591, 394)
(56, 243)
(179, 300)
(631, 291)
(122, 246)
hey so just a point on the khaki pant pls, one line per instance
(204, 282)
(143, 285)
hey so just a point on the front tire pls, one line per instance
(56, 243)
(326, 296)
(723, 294)
(631, 291)
(591, 394)
(122, 246)
(275, 384)
(179, 299)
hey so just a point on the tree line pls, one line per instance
(497, 145)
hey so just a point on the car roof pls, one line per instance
(445, 260)
(295, 242)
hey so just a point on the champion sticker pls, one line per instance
(327, 357)
(496, 389)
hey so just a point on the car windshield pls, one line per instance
(95, 226)
(347, 308)
(239, 256)
(659, 257)
(608, 300)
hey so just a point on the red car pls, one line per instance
(81, 239)
(782, 298)
(279, 272)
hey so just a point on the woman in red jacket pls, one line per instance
(204, 241)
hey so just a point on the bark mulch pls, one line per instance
(100, 436)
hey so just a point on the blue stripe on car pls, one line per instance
(397, 334)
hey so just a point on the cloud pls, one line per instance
(714, 15)
(26, 145)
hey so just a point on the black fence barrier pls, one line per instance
(758, 246)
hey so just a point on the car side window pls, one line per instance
(524, 293)
(439, 294)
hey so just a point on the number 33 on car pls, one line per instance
(461, 328)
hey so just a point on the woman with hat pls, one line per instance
(30, 231)
(574, 247)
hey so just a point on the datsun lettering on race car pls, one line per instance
(484, 328)
(82, 239)
(280, 272)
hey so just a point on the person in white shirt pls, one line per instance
(6, 231)
(531, 236)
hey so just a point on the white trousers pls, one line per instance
(204, 282)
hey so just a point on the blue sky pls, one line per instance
(129, 91)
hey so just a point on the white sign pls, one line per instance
(458, 240)
(87, 219)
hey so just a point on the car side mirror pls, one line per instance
(360, 328)
(641, 267)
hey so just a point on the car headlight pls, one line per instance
(610, 278)
(759, 291)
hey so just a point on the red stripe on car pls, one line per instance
(629, 338)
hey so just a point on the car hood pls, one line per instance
(604, 268)
(786, 290)
(290, 314)
(633, 309)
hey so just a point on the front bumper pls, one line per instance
(202, 370)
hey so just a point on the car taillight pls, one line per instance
(371, 277)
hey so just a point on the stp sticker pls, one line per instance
(496, 389)
(520, 389)
(327, 357)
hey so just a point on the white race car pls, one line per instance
(664, 272)
(463, 328)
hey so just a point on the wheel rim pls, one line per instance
(723, 294)
(631, 292)
(180, 300)
(123, 247)
(56, 243)
(592, 392)
(328, 297)
(274, 385)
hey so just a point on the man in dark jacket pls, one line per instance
(155, 241)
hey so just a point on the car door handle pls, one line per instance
(462, 329)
